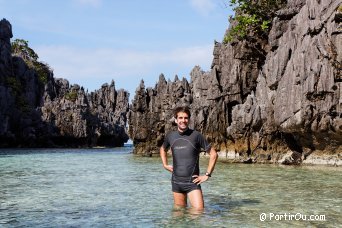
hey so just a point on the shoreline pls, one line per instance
(287, 159)
(331, 160)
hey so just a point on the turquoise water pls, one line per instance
(114, 188)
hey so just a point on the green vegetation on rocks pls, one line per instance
(16, 87)
(71, 96)
(14, 84)
(252, 17)
(21, 48)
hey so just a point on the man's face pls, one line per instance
(182, 121)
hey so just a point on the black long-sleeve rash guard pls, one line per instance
(186, 147)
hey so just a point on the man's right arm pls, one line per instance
(163, 156)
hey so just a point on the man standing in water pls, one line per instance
(186, 145)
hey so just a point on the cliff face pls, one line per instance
(276, 100)
(77, 118)
(36, 113)
(149, 116)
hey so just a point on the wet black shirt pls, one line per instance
(186, 147)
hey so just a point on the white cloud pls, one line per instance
(204, 7)
(191, 56)
(83, 65)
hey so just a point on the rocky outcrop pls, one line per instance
(78, 118)
(150, 116)
(38, 111)
(275, 101)
(297, 105)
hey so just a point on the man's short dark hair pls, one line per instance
(184, 109)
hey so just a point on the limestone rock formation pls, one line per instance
(36, 112)
(276, 100)
(150, 116)
(78, 118)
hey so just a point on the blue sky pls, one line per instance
(91, 42)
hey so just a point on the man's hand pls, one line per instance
(169, 168)
(199, 179)
(163, 156)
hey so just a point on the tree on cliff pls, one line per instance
(21, 48)
(252, 17)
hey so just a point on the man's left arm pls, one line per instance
(211, 166)
(212, 161)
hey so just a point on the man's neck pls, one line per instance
(181, 131)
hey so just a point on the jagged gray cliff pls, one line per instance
(38, 111)
(276, 100)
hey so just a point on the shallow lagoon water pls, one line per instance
(114, 188)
